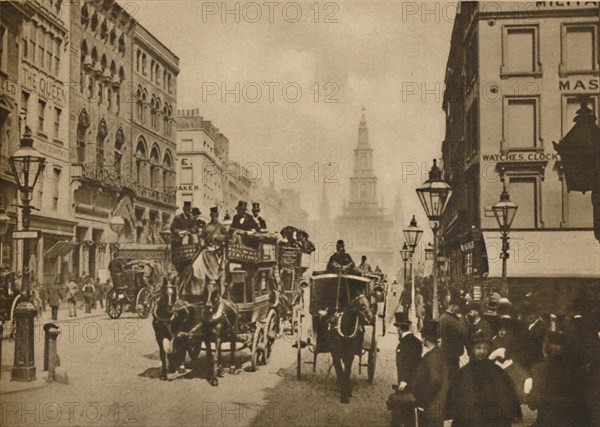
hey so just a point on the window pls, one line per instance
(41, 113)
(521, 123)
(55, 187)
(57, 113)
(56, 56)
(520, 53)
(143, 64)
(571, 104)
(82, 125)
(473, 130)
(523, 192)
(24, 102)
(3, 48)
(32, 43)
(109, 97)
(102, 132)
(40, 41)
(137, 61)
(25, 45)
(579, 49)
(152, 70)
(49, 50)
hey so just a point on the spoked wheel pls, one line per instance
(143, 303)
(372, 359)
(270, 336)
(258, 342)
(113, 306)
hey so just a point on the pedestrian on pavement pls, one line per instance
(72, 291)
(43, 293)
(453, 334)
(89, 292)
(419, 308)
(476, 324)
(99, 296)
(482, 394)
(408, 351)
(430, 381)
(554, 388)
(533, 334)
(54, 298)
(18, 282)
(405, 300)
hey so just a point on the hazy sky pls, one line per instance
(380, 55)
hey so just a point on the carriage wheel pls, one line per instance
(270, 336)
(298, 330)
(143, 303)
(257, 346)
(372, 358)
(113, 307)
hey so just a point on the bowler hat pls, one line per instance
(340, 243)
(214, 210)
(431, 329)
(255, 206)
(401, 318)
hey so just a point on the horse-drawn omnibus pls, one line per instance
(144, 267)
(343, 323)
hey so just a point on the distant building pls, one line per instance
(514, 82)
(364, 226)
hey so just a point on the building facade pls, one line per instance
(515, 78)
(364, 226)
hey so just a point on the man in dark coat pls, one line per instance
(482, 394)
(453, 336)
(183, 222)
(532, 338)
(242, 220)
(340, 259)
(475, 324)
(430, 381)
(554, 388)
(259, 221)
(408, 352)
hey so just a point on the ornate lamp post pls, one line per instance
(412, 234)
(26, 164)
(504, 211)
(434, 195)
(405, 253)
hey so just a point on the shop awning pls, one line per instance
(59, 249)
(562, 253)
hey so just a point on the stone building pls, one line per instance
(515, 77)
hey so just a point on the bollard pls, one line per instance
(47, 327)
(52, 332)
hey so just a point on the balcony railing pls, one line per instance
(5, 169)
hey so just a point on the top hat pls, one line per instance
(431, 329)
(195, 211)
(474, 305)
(242, 204)
(340, 243)
(187, 204)
(255, 206)
(401, 318)
(214, 210)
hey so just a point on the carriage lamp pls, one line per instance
(504, 211)
(26, 163)
(429, 252)
(434, 195)
(412, 234)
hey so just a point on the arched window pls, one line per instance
(113, 36)
(85, 15)
(83, 77)
(139, 104)
(102, 133)
(119, 145)
(153, 113)
(165, 120)
(104, 30)
(140, 156)
(143, 64)
(94, 21)
(83, 123)
(122, 44)
(168, 172)
(155, 168)
(138, 58)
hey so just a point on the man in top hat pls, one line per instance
(259, 222)
(482, 394)
(214, 232)
(430, 381)
(408, 352)
(183, 222)
(453, 335)
(199, 223)
(476, 324)
(340, 259)
(242, 220)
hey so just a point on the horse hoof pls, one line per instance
(163, 377)
(213, 382)
(221, 373)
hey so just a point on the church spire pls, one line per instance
(363, 131)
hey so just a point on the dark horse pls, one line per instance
(344, 337)
(163, 315)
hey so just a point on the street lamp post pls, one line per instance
(504, 211)
(412, 234)
(26, 164)
(434, 195)
(405, 253)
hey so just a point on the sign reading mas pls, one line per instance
(572, 84)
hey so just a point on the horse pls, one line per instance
(162, 316)
(344, 338)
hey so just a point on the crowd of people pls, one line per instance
(486, 363)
